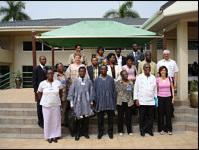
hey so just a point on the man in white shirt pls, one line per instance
(172, 69)
(145, 90)
(170, 64)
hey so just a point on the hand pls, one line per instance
(173, 100)
(36, 97)
(175, 86)
(92, 106)
(137, 103)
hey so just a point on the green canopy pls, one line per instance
(97, 33)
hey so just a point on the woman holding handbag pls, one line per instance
(50, 92)
(165, 90)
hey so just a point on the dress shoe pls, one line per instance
(150, 133)
(86, 136)
(142, 133)
(50, 140)
(77, 138)
(110, 136)
(55, 140)
(41, 126)
(100, 135)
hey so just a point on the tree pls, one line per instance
(14, 11)
(125, 10)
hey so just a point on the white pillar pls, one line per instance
(182, 61)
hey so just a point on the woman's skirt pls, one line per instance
(52, 122)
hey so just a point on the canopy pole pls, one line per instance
(34, 58)
(53, 57)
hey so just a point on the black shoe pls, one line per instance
(86, 136)
(50, 140)
(142, 133)
(100, 135)
(151, 133)
(110, 136)
(41, 125)
(55, 140)
(77, 138)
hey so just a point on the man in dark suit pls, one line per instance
(136, 54)
(121, 60)
(93, 70)
(39, 74)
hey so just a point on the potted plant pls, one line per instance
(194, 93)
(18, 79)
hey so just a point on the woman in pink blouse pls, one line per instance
(130, 68)
(165, 99)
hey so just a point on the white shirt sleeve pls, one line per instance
(155, 88)
(175, 67)
(40, 88)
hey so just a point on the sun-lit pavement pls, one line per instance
(25, 95)
(179, 140)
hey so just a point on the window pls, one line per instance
(192, 45)
(27, 76)
(46, 48)
(27, 46)
(38, 46)
(159, 44)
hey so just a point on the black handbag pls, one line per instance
(171, 87)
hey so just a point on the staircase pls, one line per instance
(19, 120)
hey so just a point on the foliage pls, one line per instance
(14, 11)
(17, 74)
(125, 10)
(194, 86)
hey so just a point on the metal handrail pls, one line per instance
(5, 75)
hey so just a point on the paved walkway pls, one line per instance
(180, 140)
(25, 95)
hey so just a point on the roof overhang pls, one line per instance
(28, 28)
(180, 10)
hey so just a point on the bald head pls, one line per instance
(166, 54)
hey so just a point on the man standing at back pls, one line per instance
(148, 60)
(39, 74)
(136, 54)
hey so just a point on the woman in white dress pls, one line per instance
(50, 92)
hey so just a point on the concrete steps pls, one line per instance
(9, 131)
(19, 120)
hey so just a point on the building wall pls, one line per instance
(25, 57)
(20, 57)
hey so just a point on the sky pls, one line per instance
(83, 9)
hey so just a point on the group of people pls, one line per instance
(112, 83)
